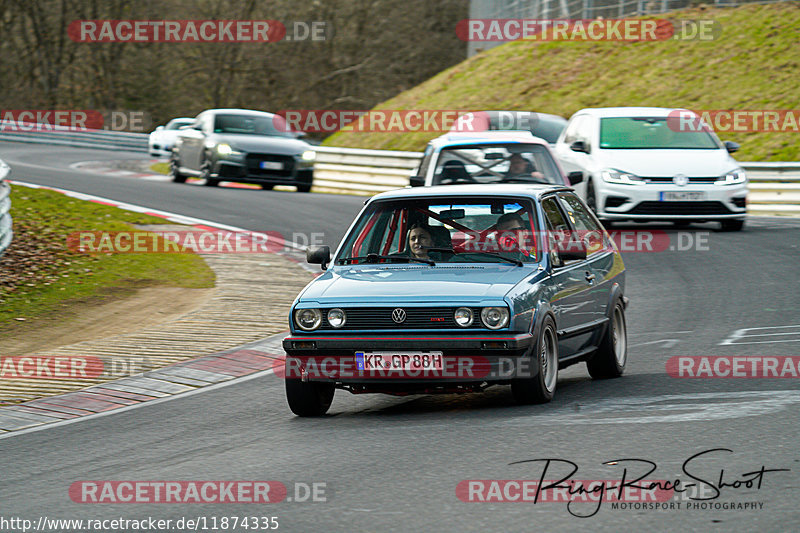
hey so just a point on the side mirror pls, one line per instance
(731, 146)
(579, 146)
(572, 250)
(416, 181)
(575, 177)
(159, 128)
(319, 256)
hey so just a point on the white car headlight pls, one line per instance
(308, 319)
(224, 149)
(733, 177)
(336, 318)
(464, 317)
(309, 155)
(494, 317)
(612, 175)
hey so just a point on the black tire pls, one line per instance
(732, 225)
(177, 177)
(612, 354)
(304, 188)
(591, 197)
(267, 186)
(205, 173)
(542, 387)
(309, 398)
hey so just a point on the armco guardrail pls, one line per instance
(6, 233)
(80, 138)
(774, 187)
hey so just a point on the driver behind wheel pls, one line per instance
(513, 235)
(519, 166)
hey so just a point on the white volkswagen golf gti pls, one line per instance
(652, 163)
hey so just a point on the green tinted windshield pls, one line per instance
(650, 132)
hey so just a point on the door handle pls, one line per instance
(589, 277)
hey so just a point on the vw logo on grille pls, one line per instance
(680, 180)
(399, 315)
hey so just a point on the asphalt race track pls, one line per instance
(393, 464)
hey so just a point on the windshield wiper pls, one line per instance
(493, 254)
(374, 258)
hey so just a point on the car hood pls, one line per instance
(415, 283)
(667, 163)
(263, 143)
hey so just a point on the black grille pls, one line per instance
(740, 202)
(253, 164)
(680, 208)
(702, 179)
(416, 318)
(615, 201)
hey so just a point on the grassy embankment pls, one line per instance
(43, 280)
(753, 64)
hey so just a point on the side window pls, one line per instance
(570, 134)
(584, 132)
(587, 226)
(557, 228)
(422, 170)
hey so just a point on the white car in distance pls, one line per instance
(163, 138)
(650, 163)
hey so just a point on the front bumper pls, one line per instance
(244, 170)
(645, 202)
(466, 359)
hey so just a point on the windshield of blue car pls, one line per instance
(632, 133)
(496, 163)
(249, 125)
(456, 230)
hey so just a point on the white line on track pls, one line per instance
(233, 381)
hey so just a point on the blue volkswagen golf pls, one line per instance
(457, 288)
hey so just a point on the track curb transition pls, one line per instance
(171, 370)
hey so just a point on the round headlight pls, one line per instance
(494, 317)
(308, 319)
(336, 318)
(224, 149)
(464, 317)
(309, 155)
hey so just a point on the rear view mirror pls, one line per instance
(575, 177)
(319, 256)
(731, 146)
(572, 250)
(453, 214)
(579, 146)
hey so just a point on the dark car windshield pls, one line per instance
(651, 133)
(496, 163)
(248, 125)
(545, 127)
(176, 124)
(456, 230)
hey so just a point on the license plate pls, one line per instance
(271, 165)
(683, 196)
(399, 360)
